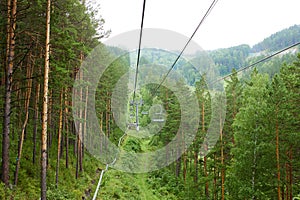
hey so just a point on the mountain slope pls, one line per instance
(279, 40)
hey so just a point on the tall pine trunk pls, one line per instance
(27, 101)
(10, 54)
(206, 149)
(79, 134)
(59, 136)
(85, 119)
(45, 108)
(222, 161)
(67, 128)
(196, 166)
(36, 116)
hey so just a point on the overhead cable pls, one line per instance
(139, 50)
(212, 5)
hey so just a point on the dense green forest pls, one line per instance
(279, 40)
(242, 55)
(43, 154)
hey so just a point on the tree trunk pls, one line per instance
(184, 166)
(233, 113)
(67, 129)
(178, 150)
(206, 149)
(27, 101)
(196, 166)
(287, 179)
(59, 136)
(79, 134)
(101, 131)
(107, 116)
(222, 162)
(85, 119)
(77, 157)
(215, 177)
(277, 156)
(49, 123)
(206, 175)
(36, 116)
(10, 54)
(45, 108)
(289, 175)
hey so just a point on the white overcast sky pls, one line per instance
(232, 22)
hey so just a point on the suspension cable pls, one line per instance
(257, 62)
(212, 5)
(139, 50)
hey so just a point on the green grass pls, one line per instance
(127, 186)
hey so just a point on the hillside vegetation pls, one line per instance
(67, 99)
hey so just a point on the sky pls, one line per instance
(231, 22)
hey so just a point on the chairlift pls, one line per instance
(132, 126)
(145, 113)
(159, 117)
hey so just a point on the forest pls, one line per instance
(50, 144)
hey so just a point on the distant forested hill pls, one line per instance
(236, 57)
(227, 59)
(279, 40)
(230, 58)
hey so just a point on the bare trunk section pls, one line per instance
(184, 166)
(36, 116)
(234, 114)
(108, 115)
(287, 179)
(206, 175)
(178, 150)
(101, 131)
(206, 148)
(59, 136)
(79, 134)
(27, 101)
(222, 161)
(85, 118)
(78, 157)
(215, 179)
(45, 108)
(289, 175)
(67, 128)
(49, 122)
(10, 54)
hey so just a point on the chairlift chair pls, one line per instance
(159, 118)
(132, 126)
(145, 113)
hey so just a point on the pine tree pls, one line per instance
(45, 107)
(233, 100)
(253, 164)
(285, 97)
(10, 56)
